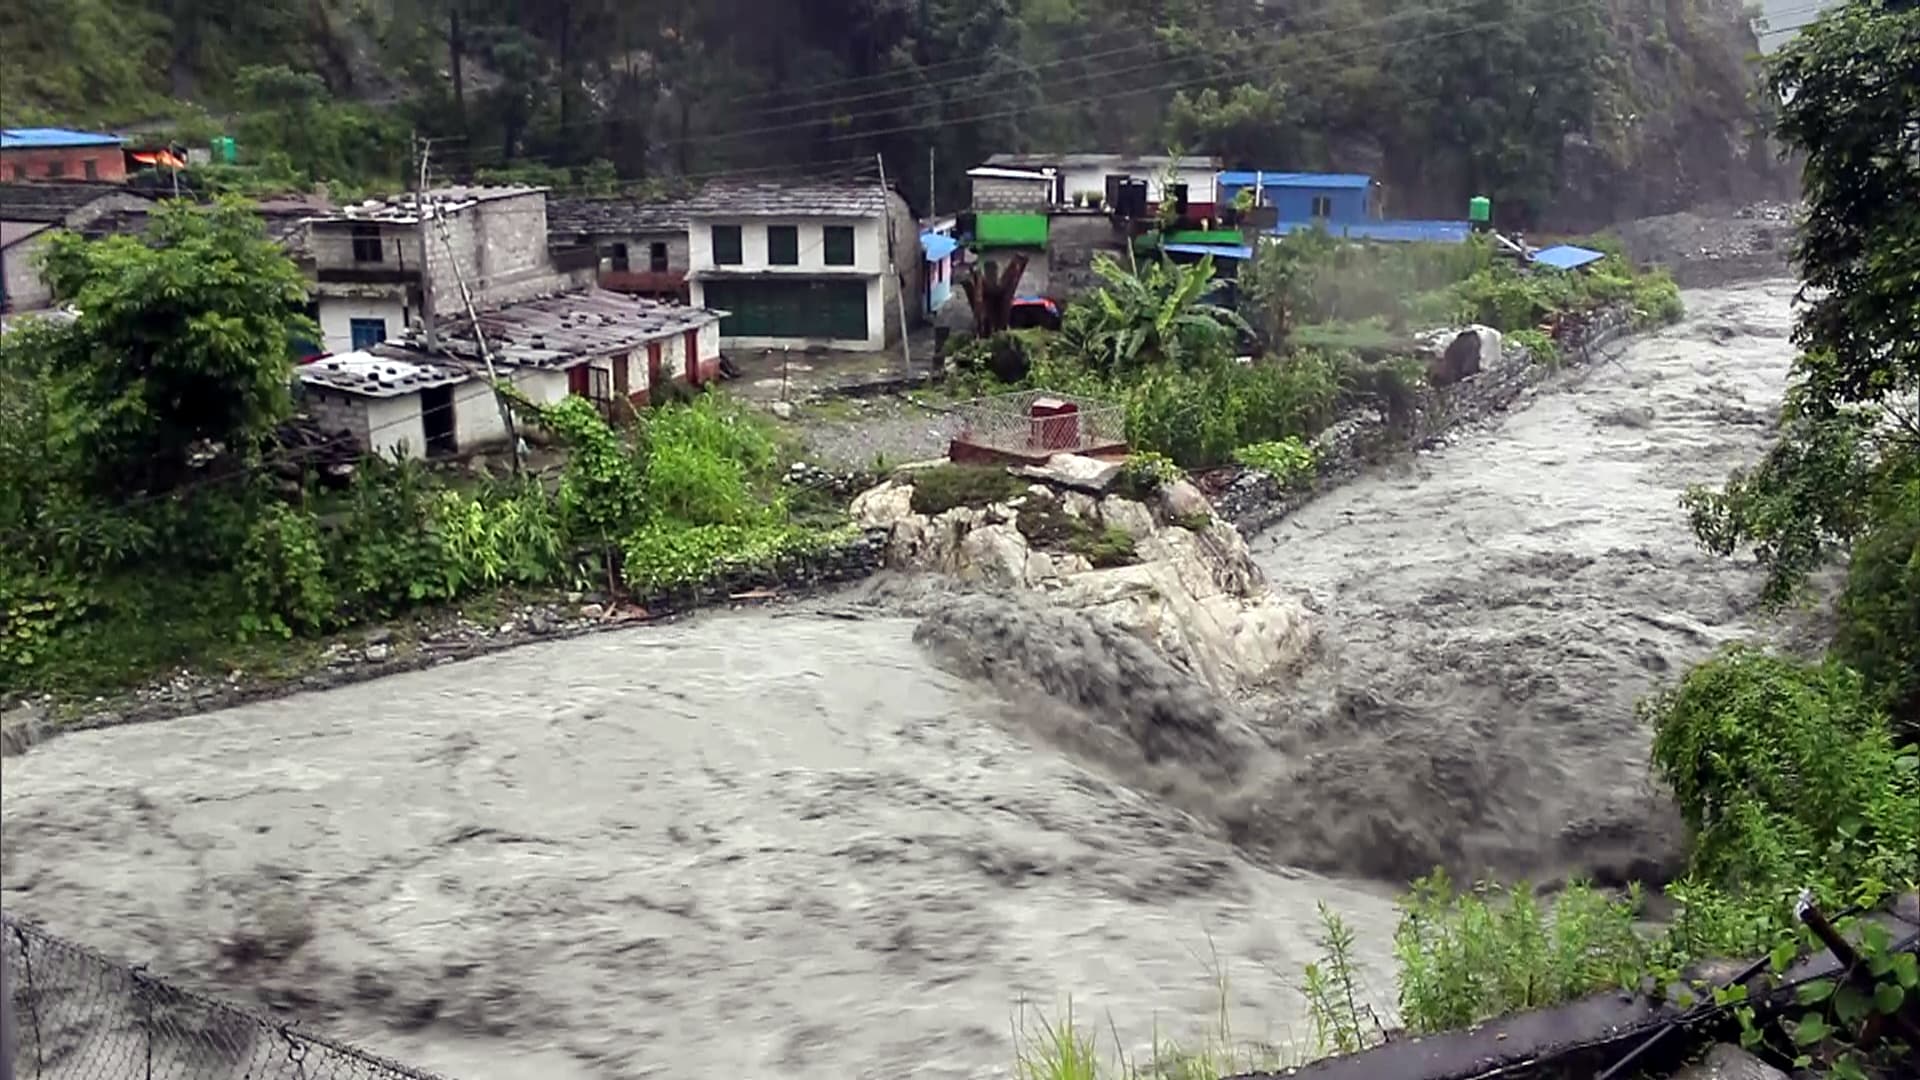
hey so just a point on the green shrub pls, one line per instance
(1540, 346)
(940, 488)
(1787, 775)
(283, 574)
(709, 463)
(1467, 955)
(1880, 609)
(1289, 461)
(665, 556)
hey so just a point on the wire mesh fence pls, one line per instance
(1040, 423)
(77, 1015)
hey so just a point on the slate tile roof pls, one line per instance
(788, 198)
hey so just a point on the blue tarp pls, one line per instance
(1432, 232)
(1242, 179)
(47, 138)
(1567, 257)
(937, 246)
(1218, 251)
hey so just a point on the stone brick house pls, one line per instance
(30, 213)
(59, 154)
(642, 244)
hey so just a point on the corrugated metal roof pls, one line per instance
(12, 232)
(995, 172)
(789, 198)
(1427, 232)
(53, 138)
(1123, 162)
(614, 216)
(937, 246)
(55, 202)
(1295, 179)
(406, 209)
(1222, 251)
(1567, 256)
(382, 371)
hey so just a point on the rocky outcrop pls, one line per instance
(1186, 584)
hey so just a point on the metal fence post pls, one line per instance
(33, 1003)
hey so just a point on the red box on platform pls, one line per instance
(1054, 424)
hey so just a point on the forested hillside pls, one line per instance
(1569, 113)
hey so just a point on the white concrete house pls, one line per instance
(367, 259)
(1073, 174)
(400, 399)
(802, 264)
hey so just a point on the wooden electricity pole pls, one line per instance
(899, 287)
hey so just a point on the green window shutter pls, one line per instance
(783, 245)
(838, 244)
(726, 245)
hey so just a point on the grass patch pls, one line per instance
(1048, 527)
(941, 488)
(1369, 335)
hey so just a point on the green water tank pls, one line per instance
(1479, 210)
(224, 151)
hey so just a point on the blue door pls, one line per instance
(367, 332)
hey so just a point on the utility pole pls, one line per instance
(899, 288)
(473, 320)
(423, 152)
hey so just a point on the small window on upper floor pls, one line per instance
(726, 245)
(1322, 206)
(618, 257)
(56, 169)
(92, 169)
(783, 245)
(366, 244)
(838, 245)
(657, 257)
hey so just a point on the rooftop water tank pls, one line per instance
(1479, 210)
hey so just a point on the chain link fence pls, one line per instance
(1039, 423)
(78, 1015)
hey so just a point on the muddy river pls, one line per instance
(794, 844)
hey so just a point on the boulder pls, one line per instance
(1180, 500)
(993, 555)
(883, 506)
(1074, 471)
(1471, 351)
(1128, 516)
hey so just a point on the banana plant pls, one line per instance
(1159, 314)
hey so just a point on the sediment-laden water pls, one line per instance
(797, 844)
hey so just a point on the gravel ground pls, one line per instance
(851, 434)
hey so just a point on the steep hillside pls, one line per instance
(1568, 116)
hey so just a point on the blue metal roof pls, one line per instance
(52, 138)
(1295, 179)
(937, 246)
(1567, 257)
(1429, 232)
(1219, 251)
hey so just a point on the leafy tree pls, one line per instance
(1160, 313)
(180, 344)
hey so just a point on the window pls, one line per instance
(600, 383)
(839, 245)
(367, 332)
(92, 169)
(726, 245)
(783, 245)
(366, 243)
(657, 257)
(1323, 206)
(19, 172)
(56, 169)
(618, 257)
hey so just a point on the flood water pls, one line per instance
(794, 844)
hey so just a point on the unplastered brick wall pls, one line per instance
(1072, 242)
(1001, 193)
(499, 248)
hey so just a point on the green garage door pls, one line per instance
(801, 308)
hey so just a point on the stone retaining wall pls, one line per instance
(1253, 501)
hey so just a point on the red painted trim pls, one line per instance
(691, 338)
(653, 365)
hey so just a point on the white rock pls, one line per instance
(782, 409)
(1181, 499)
(1079, 504)
(995, 555)
(1074, 471)
(881, 507)
(1128, 516)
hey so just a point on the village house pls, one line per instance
(59, 154)
(938, 248)
(31, 213)
(803, 263)
(402, 399)
(642, 245)
(1077, 179)
(381, 266)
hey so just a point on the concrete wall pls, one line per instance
(1072, 242)
(109, 164)
(337, 315)
(869, 245)
(499, 247)
(394, 427)
(336, 410)
(25, 291)
(1001, 193)
(1199, 180)
(639, 247)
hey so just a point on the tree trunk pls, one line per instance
(456, 53)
